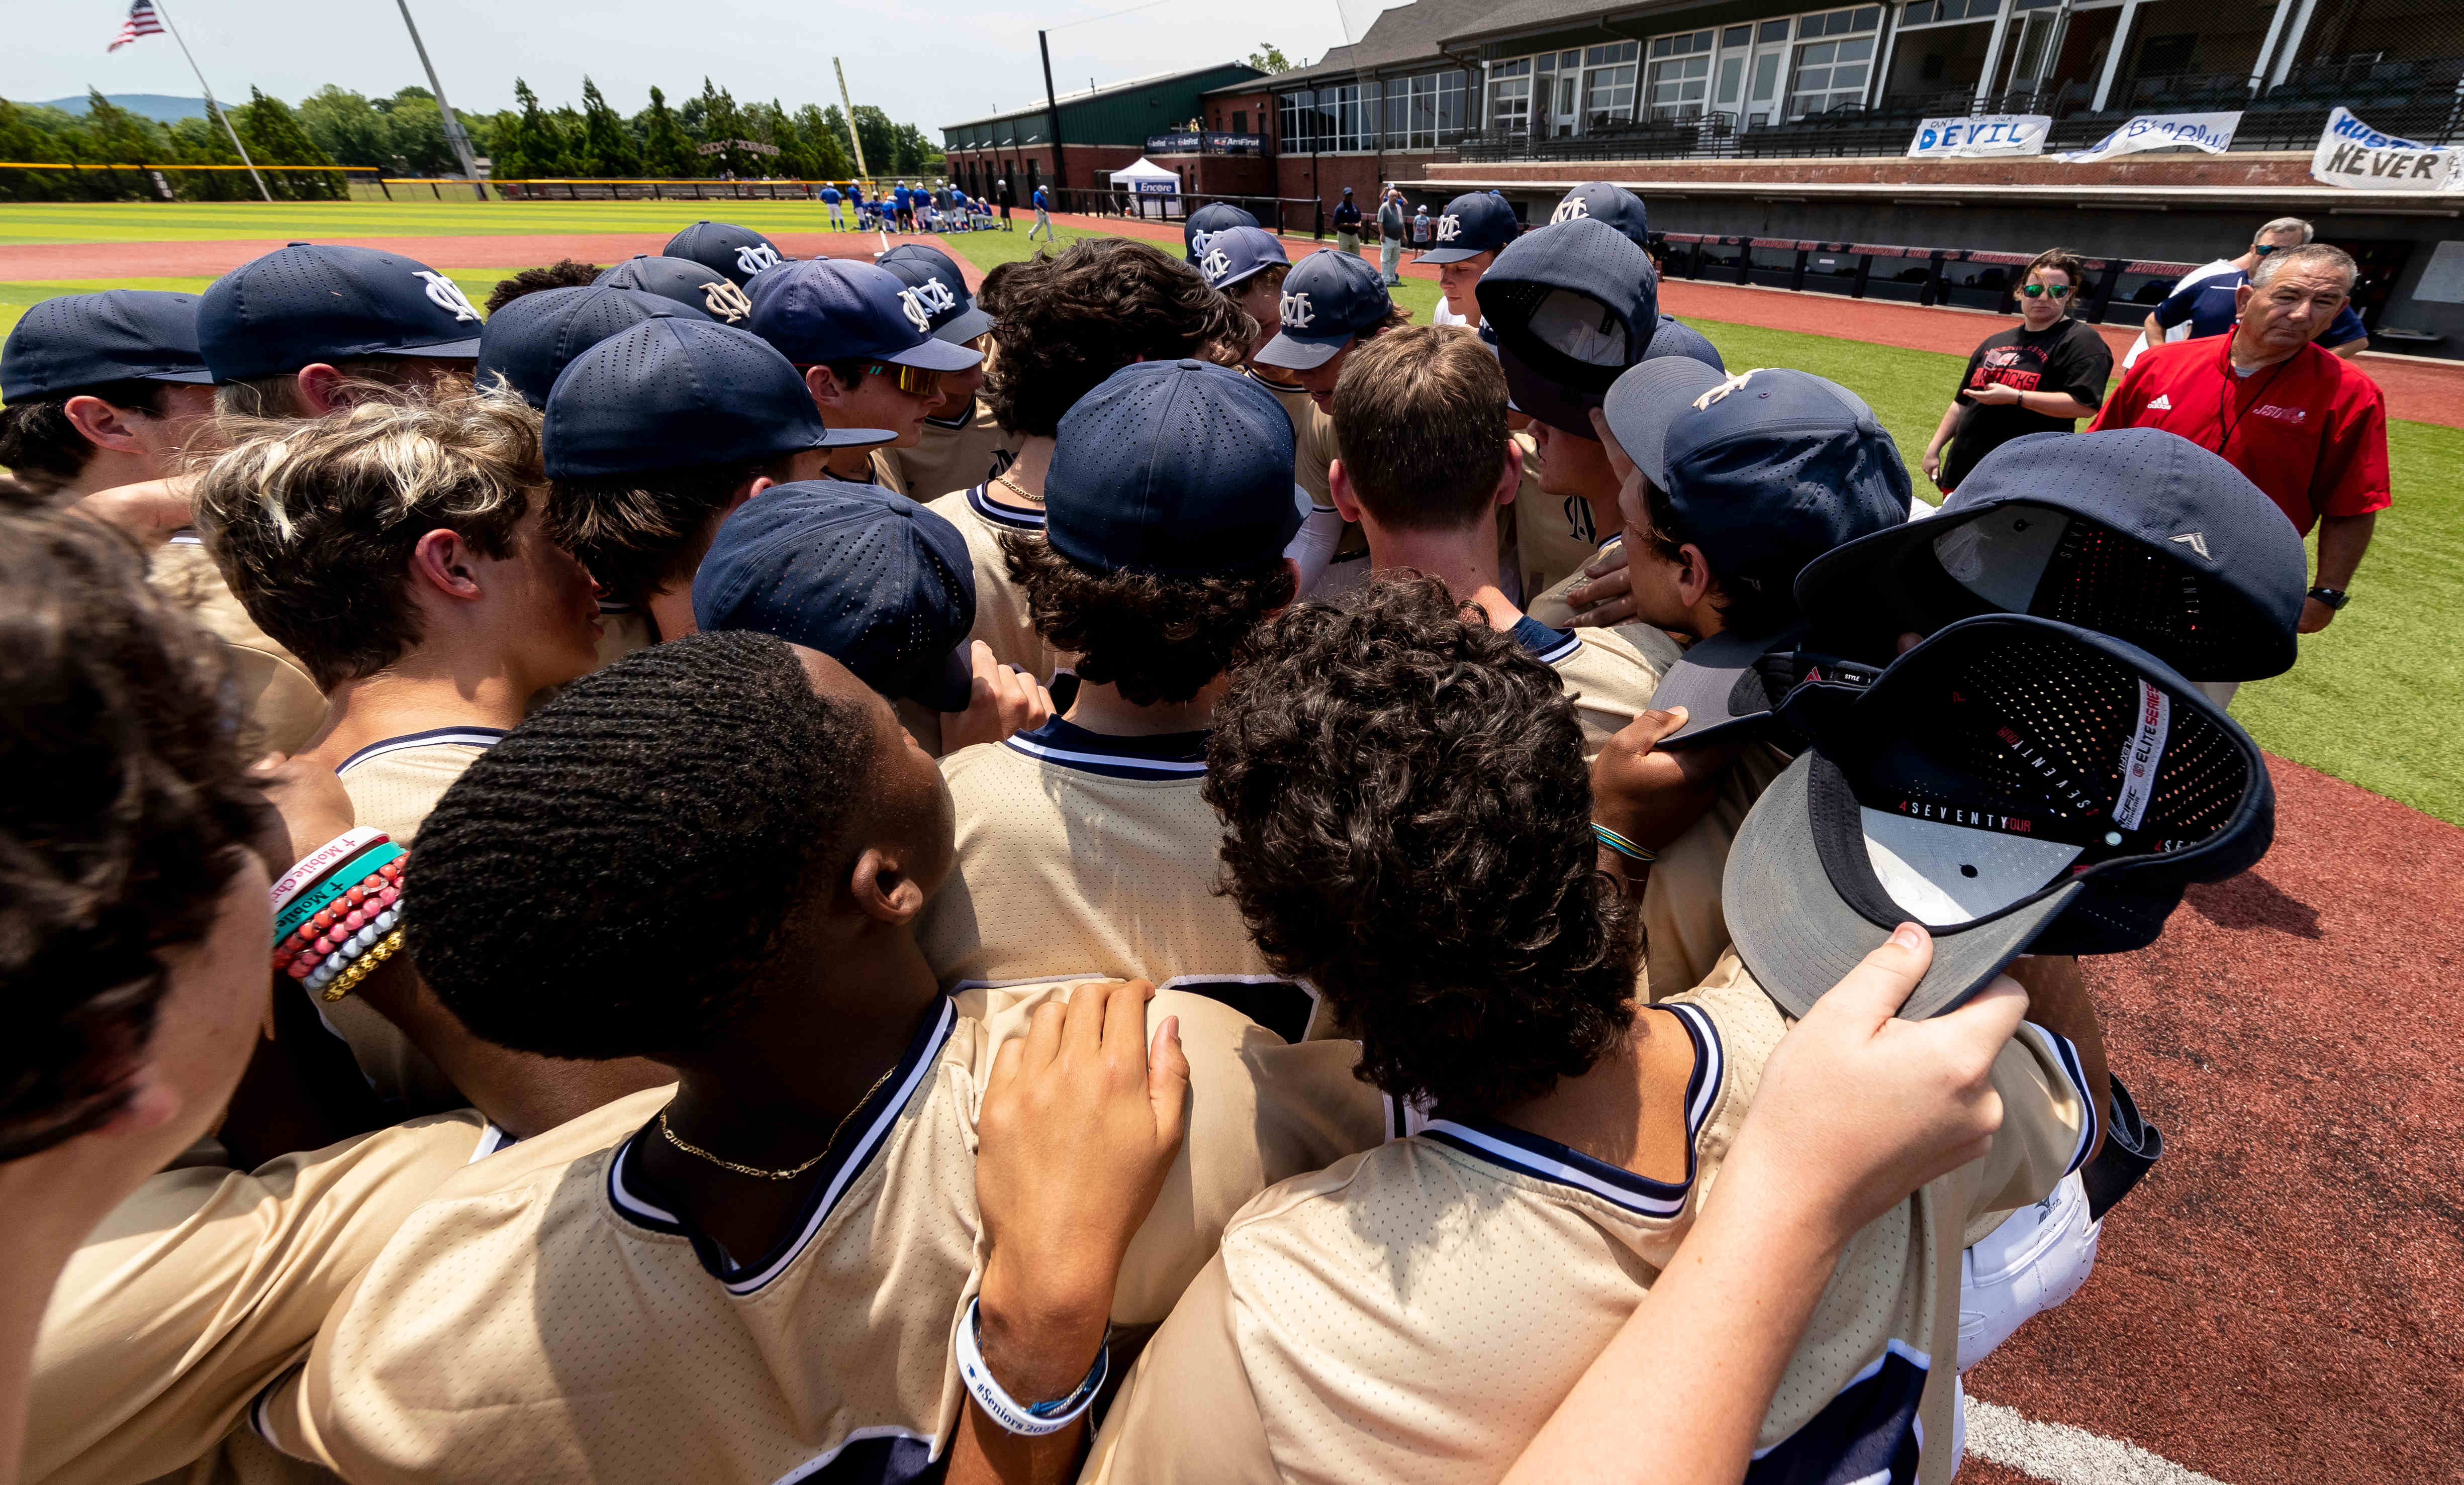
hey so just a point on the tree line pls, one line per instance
(404, 135)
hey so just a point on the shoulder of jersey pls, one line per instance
(549, 1151)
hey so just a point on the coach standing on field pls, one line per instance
(2307, 427)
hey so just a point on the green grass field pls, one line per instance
(2378, 699)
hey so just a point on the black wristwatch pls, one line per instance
(2333, 598)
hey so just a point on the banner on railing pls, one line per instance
(1986, 134)
(2210, 132)
(2353, 155)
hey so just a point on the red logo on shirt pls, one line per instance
(2283, 414)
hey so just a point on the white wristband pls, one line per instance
(1028, 1421)
(322, 860)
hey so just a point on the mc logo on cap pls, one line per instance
(447, 295)
(1449, 227)
(726, 301)
(1570, 209)
(1214, 265)
(1296, 311)
(754, 256)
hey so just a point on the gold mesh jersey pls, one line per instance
(1415, 1312)
(280, 707)
(549, 1318)
(1082, 853)
(1313, 438)
(1684, 930)
(957, 454)
(1551, 608)
(1610, 681)
(205, 1285)
(1002, 618)
(393, 784)
(1553, 537)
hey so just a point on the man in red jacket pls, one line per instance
(2308, 429)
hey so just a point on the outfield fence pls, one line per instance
(26, 180)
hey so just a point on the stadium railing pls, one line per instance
(1275, 213)
(1977, 279)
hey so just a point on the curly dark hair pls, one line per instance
(642, 533)
(563, 274)
(1408, 826)
(1064, 323)
(610, 880)
(1749, 602)
(1157, 639)
(125, 825)
(44, 450)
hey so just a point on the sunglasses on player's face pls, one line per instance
(915, 381)
(2040, 290)
(2264, 249)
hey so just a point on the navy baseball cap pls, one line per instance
(1574, 303)
(1472, 225)
(1180, 469)
(948, 307)
(2133, 533)
(308, 302)
(689, 283)
(1205, 222)
(738, 251)
(871, 579)
(1329, 297)
(73, 342)
(1764, 471)
(831, 309)
(530, 340)
(1605, 200)
(672, 393)
(2014, 784)
(1675, 338)
(1236, 253)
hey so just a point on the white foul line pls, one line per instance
(2067, 1455)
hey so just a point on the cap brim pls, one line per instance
(854, 438)
(970, 323)
(1719, 683)
(1451, 254)
(1799, 939)
(1646, 400)
(1294, 353)
(447, 350)
(200, 377)
(948, 685)
(937, 356)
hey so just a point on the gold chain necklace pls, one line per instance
(792, 1171)
(1024, 493)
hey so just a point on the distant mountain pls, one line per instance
(160, 107)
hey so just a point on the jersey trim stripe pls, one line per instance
(466, 736)
(625, 1191)
(979, 501)
(1537, 1156)
(1547, 645)
(822, 1461)
(1168, 755)
(2076, 1072)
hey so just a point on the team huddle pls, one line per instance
(1144, 873)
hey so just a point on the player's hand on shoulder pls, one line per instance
(147, 512)
(1002, 700)
(1856, 1108)
(1080, 1123)
(1606, 599)
(1651, 795)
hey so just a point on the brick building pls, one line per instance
(1101, 130)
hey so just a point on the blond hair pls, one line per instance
(313, 522)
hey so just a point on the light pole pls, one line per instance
(453, 134)
(216, 108)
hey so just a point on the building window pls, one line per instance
(1509, 96)
(1926, 13)
(1681, 74)
(1824, 75)
(1239, 121)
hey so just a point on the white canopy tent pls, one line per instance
(1153, 189)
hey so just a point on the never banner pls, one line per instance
(2353, 155)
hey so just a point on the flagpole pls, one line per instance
(216, 109)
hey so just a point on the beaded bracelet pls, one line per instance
(329, 926)
(361, 967)
(323, 965)
(354, 873)
(1621, 845)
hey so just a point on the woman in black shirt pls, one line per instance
(2041, 375)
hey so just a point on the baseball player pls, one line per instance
(1426, 466)
(104, 391)
(723, 248)
(963, 446)
(1419, 1310)
(654, 435)
(1469, 234)
(287, 335)
(1060, 325)
(396, 550)
(1085, 842)
(830, 198)
(774, 1270)
(880, 584)
(687, 282)
(563, 274)
(1198, 228)
(863, 338)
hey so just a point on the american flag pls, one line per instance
(142, 22)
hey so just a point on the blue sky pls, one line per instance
(930, 63)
